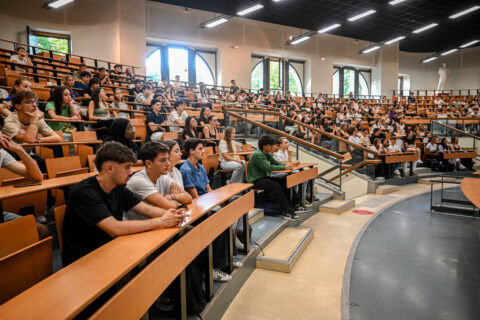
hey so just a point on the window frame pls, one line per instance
(358, 73)
(50, 34)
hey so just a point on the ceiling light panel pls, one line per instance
(249, 10)
(329, 28)
(362, 15)
(430, 26)
(464, 12)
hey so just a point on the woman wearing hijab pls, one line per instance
(123, 131)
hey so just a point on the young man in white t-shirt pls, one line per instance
(152, 185)
(22, 58)
(177, 116)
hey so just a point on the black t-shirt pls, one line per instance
(152, 117)
(87, 205)
(411, 141)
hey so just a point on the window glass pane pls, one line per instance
(274, 75)
(335, 82)
(178, 63)
(294, 83)
(203, 71)
(50, 43)
(364, 88)
(153, 65)
(257, 76)
(348, 81)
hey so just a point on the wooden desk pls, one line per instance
(64, 294)
(10, 191)
(301, 177)
(70, 121)
(470, 187)
(300, 166)
(459, 155)
(61, 143)
(402, 157)
(477, 172)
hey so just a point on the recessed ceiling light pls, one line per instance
(394, 40)
(58, 3)
(333, 26)
(322, 58)
(362, 15)
(251, 9)
(300, 40)
(394, 2)
(430, 26)
(449, 51)
(471, 43)
(371, 49)
(464, 12)
(430, 59)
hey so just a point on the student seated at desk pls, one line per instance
(119, 104)
(122, 131)
(28, 168)
(465, 163)
(21, 58)
(283, 154)
(24, 125)
(195, 181)
(20, 84)
(259, 172)
(95, 206)
(152, 185)
(177, 116)
(82, 84)
(231, 162)
(68, 82)
(190, 129)
(154, 121)
(61, 107)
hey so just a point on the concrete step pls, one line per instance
(337, 206)
(386, 189)
(284, 251)
(254, 215)
(428, 180)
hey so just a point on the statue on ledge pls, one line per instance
(443, 72)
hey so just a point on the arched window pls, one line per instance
(294, 82)
(204, 74)
(363, 89)
(257, 76)
(153, 65)
(178, 63)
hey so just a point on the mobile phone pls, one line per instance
(27, 184)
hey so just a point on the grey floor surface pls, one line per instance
(413, 264)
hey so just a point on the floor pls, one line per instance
(424, 268)
(313, 289)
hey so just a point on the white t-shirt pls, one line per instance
(143, 187)
(281, 156)
(174, 176)
(175, 116)
(5, 158)
(432, 147)
(15, 58)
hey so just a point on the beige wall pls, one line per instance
(117, 30)
(464, 69)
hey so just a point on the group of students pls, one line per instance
(403, 138)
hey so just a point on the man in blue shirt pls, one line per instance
(195, 179)
(196, 183)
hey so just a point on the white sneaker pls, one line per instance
(462, 167)
(237, 263)
(419, 161)
(397, 172)
(41, 219)
(219, 275)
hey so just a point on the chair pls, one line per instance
(81, 150)
(170, 136)
(62, 166)
(91, 162)
(211, 164)
(140, 127)
(17, 234)
(25, 268)
(59, 213)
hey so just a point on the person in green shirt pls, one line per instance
(60, 107)
(259, 170)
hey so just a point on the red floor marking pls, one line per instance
(362, 212)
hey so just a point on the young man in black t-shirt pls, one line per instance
(95, 206)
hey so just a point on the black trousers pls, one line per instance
(274, 192)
